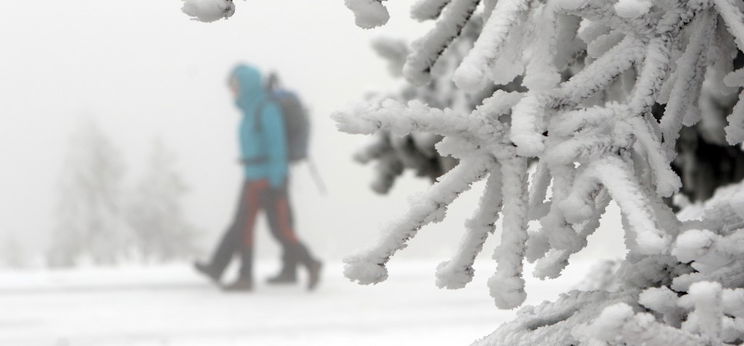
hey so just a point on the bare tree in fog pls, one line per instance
(103, 221)
(155, 212)
(89, 225)
(12, 253)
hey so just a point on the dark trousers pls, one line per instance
(238, 239)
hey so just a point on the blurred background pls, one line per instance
(113, 109)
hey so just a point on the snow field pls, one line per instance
(170, 305)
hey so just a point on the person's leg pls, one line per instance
(228, 244)
(288, 272)
(244, 238)
(234, 238)
(279, 213)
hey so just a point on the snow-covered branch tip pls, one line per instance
(208, 10)
(368, 13)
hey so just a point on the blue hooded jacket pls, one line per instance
(263, 143)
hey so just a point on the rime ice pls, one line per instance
(369, 13)
(208, 10)
(592, 76)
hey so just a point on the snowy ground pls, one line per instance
(171, 306)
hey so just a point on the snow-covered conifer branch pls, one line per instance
(620, 324)
(402, 119)
(208, 10)
(426, 51)
(690, 73)
(416, 151)
(368, 13)
(472, 71)
(735, 128)
(507, 285)
(551, 265)
(734, 18)
(634, 202)
(599, 95)
(599, 74)
(369, 267)
(458, 271)
(428, 9)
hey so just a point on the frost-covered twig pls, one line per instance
(368, 13)
(208, 10)
(458, 271)
(507, 285)
(426, 51)
(369, 267)
(507, 13)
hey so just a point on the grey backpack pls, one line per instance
(297, 129)
(296, 124)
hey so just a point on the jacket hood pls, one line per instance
(250, 85)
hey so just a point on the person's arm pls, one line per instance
(276, 137)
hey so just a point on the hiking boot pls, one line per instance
(239, 285)
(207, 271)
(288, 273)
(313, 271)
(283, 278)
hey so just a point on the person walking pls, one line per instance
(263, 146)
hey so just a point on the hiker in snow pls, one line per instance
(266, 154)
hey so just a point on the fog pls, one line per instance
(142, 71)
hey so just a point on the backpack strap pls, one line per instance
(257, 116)
(258, 127)
(257, 113)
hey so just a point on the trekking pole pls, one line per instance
(316, 176)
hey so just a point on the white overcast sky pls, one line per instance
(142, 70)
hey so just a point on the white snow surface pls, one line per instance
(170, 305)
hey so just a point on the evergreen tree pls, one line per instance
(155, 212)
(12, 253)
(89, 210)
